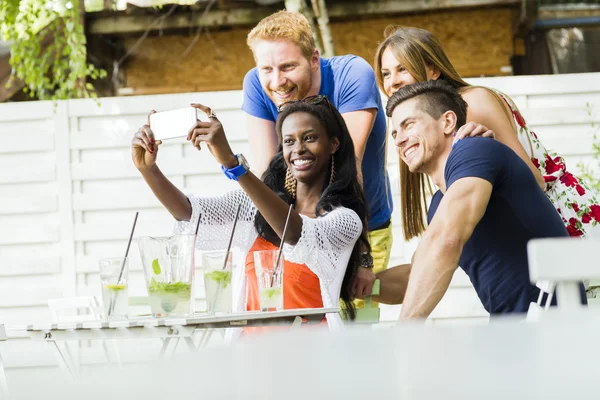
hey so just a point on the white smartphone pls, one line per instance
(174, 123)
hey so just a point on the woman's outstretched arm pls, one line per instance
(272, 208)
(144, 150)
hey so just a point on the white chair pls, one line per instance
(83, 308)
(564, 263)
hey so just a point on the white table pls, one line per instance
(163, 328)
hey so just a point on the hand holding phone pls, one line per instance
(174, 123)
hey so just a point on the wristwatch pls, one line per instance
(239, 170)
(366, 260)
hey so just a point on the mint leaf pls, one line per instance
(156, 267)
(178, 288)
(222, 277)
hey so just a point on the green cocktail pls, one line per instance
(169, 270)
(169, 298)
(271, 297)
(218, 290)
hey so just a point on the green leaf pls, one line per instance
(222, 277)
(156, 267)
(48, 74)
(177, 288)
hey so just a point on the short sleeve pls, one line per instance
(255, 101)
(433, 206)
(325, 241)
(358, 89)
(483, 158)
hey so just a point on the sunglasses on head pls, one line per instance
(313, 100)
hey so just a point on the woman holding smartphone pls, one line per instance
(314, 169)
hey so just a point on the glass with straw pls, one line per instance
(268, 265)
(169, 271)
(114, 274)
(218, 273)
(269, 274)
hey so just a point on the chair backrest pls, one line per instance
(81, 308)
(564, 262)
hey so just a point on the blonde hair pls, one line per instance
(284, 25)
(417, 49)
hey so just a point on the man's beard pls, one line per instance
(419, 168)
(285, 89)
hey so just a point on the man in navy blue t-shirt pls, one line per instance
(487, 208)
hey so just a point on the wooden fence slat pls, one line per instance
(28, 235)
(11, 266)
(542, 84)
(28, 205)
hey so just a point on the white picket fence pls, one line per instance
(69, 190)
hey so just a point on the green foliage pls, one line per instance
(178, 288)
(591, 175)
(61, 70)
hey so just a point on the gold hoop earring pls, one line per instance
(332, 176)
(290, 183)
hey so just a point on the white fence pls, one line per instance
(69, 190)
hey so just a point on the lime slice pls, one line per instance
(270, 292)
(116, 288)
(156, 267)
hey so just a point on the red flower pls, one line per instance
(573, 221)
(533, 133)
(586, 218)
(558, 209)
(549, 178)
(519, 118)
(568, 179)
(535, 162)
(553, 165)
(595, 211)
(580, 190)
(575, 207)
(574, 231)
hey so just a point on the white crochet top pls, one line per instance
(325, 244)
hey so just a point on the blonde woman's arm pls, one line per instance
(486, 108)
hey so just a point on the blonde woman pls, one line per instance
(410, 55)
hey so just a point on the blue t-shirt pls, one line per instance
(349, 83)
(495, 256)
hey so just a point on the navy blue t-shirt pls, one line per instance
(495, 256)
(349, 83)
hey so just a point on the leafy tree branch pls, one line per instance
(48, 48)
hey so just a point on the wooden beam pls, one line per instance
(129, 24)
(568, 11)
(125, 24)
(300, 7)
(341, 10)
(527, 18)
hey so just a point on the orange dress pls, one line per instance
(301, 288)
